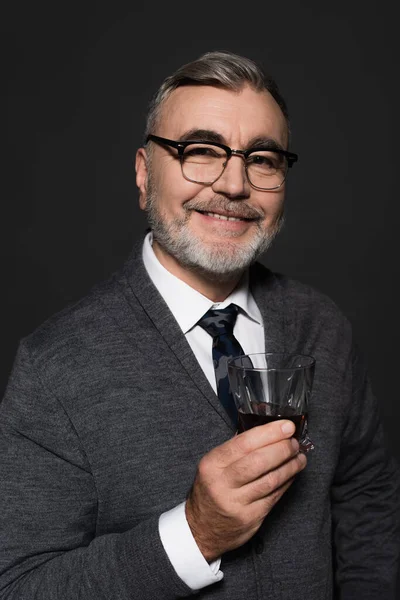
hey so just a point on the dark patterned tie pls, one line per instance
(219, 324)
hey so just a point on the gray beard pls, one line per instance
(221, 261)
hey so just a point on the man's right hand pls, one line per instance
(238, 483)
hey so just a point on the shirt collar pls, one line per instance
(186, 304)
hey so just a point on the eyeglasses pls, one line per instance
(204, 162)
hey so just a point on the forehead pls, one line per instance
(238, 116)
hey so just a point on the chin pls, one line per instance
(221, 261)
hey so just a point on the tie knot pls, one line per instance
(219, 321)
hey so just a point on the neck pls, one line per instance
(212, 288)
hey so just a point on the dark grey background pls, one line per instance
(77, 80)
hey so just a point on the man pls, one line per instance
(122, 476)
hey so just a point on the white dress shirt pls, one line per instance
(188, 306)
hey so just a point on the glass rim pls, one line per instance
(180, 146)
(230, 362)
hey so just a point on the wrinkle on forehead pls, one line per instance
(235, 116)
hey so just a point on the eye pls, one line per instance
(261, 160)
(202, 151)
(266, 160)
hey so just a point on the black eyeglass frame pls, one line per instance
(291, 157)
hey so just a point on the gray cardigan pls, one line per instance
(105, 418)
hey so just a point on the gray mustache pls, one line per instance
(238, 208)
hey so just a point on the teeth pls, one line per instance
(222, 217)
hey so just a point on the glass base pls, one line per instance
(306, 445)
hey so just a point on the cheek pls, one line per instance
(273, 205)
(173, 190)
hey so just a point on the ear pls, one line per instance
(141, 176)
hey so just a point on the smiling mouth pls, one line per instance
(223, 217)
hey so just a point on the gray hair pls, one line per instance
(220, 69)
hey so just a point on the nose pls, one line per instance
(233, 182)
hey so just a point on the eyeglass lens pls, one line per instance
(204, 163)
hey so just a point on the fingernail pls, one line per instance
(295, 444)
(287, 427)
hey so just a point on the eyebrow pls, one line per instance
(202, 135)
(208, 135)
(265, 142)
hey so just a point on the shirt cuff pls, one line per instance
(183, 552)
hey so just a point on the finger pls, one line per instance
(254, 465)
(269, 485)
(264, 505)
(257, 437)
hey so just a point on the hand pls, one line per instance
(238, 483)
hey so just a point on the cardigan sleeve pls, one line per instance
(48, 511)
(365, 500)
